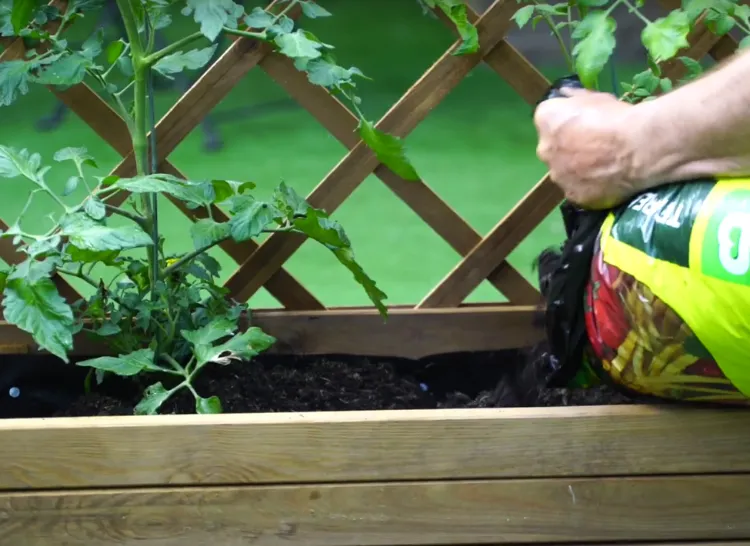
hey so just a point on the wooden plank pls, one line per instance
(400, 120)
(508, 62)
(499, 243)
(371, 446)
(446, 222)
(529, 212)
(408, 333)
(434, 513)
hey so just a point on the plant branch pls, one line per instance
(247, 34)
(191, 256)
(155, 57)
(140, 220)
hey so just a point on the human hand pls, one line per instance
(586, 141)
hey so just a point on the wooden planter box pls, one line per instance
(561, 475)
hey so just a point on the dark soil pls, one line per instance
(43, 386)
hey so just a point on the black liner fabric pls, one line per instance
(563, 276)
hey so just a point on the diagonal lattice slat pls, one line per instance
(360, 162)
(542, 200)
(262, 264)
(208, 91)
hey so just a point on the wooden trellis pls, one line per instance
(440, 322)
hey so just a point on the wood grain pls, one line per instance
(374, 446)
(444, 75)
(435, 212)
(435, 513)
(408, 333)
(496, 246)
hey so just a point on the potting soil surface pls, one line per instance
(44, 386)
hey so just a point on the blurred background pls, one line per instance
(476, 150)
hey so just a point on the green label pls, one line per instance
(725, 250)
(659, 222)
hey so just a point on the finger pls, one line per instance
(552, 114)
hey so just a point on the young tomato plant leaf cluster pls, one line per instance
(165, 316)
(456, 11)
(591, 31)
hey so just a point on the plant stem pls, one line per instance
(155, 57)
(191, 256)
(172, 362)
(139, 131)
(246, 34)
(126, 214)
(558, 36)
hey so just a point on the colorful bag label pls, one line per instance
(668, 305)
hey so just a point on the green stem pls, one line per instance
(246, 33)
(190, 256)
(139, 133)
(195, 253)
(125, 214)
(172, 362)
(155, 57)
(558, 36)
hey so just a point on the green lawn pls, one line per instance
(476, 150)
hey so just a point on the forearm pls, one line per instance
(700, 129)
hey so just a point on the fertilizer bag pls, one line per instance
(654, 295)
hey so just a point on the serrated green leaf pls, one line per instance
(376, 295)
(106, 257)
(6, 25)
(70, 185)
(193, 193)
(664, 37)
(523, 15)
(693, 67)
(109, 328)
(38, 308)
(15, 163)
(595, 37)
(124, 365)
(213, 15)
(240, 346)
(218, 328)
(313, 10)
(206, 232)
(456, 11)
(80, 156)
(190, 60)
(259, 19)
(327, 74)
(14, 80)
(95, 208)
(22, 14)
(153, 397)
(114, 50)
(65, 72)
(289, 202)
(250, 221)
(298, 44)
(31, 270)
(224, 189)
(390, 150)
(210, 405)
(88, 234)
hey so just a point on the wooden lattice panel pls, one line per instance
(262, 265)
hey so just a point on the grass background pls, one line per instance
(476, 150)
